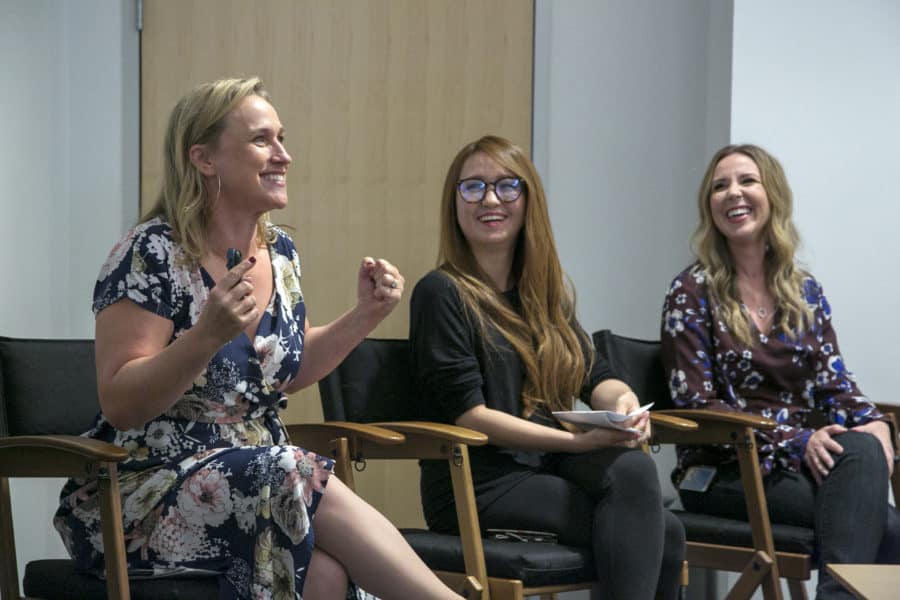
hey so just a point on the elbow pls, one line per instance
(118, 415)
(472, 418)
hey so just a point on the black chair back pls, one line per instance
(638, 363)
(374, 383)
(47, 386)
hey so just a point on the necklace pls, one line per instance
(762, 312)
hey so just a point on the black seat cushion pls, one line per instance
(728, 532)
(58, 579)
(535, 564)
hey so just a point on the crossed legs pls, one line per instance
(355, 539)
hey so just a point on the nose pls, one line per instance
(490, 196)
(281, 154)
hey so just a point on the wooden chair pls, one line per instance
(372, 385)
(758, 549)
(48, 396)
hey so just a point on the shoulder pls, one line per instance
(810, 288)
(690, 281)
(812, 293)
(281, 241)
(435, 284)
(148, 243)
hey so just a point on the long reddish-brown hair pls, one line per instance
(545, 335)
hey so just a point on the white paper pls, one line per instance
(599, 418)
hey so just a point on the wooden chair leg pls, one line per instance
(757, 570)
(9, 572)
(797, 589)
(113, 534)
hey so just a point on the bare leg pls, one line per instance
(372, 551)
(326, 578)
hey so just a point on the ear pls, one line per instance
(200, 157)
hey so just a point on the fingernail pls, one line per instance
(252, 260)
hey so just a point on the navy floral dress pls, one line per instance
(800, 382)
(210, 484)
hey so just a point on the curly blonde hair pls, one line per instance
(784, 278)
(545, 336)
(198, 118)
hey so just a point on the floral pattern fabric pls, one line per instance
(799, 381)
(212, 483)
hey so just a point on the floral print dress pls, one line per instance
(799, 381)
(210, 484)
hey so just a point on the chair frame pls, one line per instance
(429, 440)
(28, 456)
(760, 566)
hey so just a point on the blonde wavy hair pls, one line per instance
(784, 278)
(198, 118)
(545, 336)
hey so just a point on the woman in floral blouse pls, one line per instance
(194, 361)
(745, 329)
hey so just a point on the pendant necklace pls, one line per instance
(762, 312)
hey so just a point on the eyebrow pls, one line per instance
(266, 130)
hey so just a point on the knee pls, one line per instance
(862, 450)
(326, 577)
(634, 472)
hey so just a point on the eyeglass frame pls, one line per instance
(488, 185)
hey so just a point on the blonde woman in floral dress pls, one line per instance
(194, 361)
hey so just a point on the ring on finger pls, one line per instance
(393, 284)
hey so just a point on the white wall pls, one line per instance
(68, 184)
(817, 85)
(630, 99)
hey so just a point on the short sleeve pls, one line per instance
(139, 268)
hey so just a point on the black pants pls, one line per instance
(608, 500)
(849, 512)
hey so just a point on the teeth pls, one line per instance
(488, 218)
(738, 212)
(274, 177)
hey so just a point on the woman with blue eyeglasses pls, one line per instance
(497, 348)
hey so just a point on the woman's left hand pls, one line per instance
(882, 431)
(379, 288)
(627, 403)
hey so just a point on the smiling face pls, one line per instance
(250, 159)
(489, 225)
(738, 201)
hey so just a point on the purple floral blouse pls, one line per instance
(800, 382)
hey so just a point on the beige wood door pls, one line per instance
(376, 97)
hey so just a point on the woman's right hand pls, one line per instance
(231, 306)
(599, 437)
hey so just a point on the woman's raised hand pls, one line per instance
(231, 306)
(379, 288)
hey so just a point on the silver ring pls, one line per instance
(394, 284)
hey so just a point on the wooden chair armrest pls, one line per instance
(672, 422)
(75, 444)
(56, 456)
(442, 431)
(300, 433)
(714, 427)
(702, 417)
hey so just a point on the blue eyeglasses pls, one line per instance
(507, 189)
